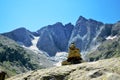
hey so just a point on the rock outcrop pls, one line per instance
(74, 56)
(108, 69)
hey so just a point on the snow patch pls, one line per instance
(59, 57)
(58, 63)
(33, 47)
(111, 37)
(34, 44)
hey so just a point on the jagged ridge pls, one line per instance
(86, 34)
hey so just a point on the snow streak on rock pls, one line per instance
(34, 43)
(111, 37)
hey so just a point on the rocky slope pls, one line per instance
(15, 59)
(108, 69)
(108, 49)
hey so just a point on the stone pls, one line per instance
(74, 56)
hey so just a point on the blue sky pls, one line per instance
(34, 14)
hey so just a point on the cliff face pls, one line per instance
(85, 33)
(54, 38)
(108, 69)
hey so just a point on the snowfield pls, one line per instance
(34, 44)
(59, 57)
(111, 37)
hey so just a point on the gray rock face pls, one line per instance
(21, 36)
(54, 38)
(105, 32)
(87, 33)
(107, 49)
(84, 32)
(109, 30)
(116, 29)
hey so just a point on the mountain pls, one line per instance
(15, 59)
(87, 34)
(107, 49)
(54, 38)
(21, 36)
(108, 69)
(96, 39)
(26, 50)
(110, 43)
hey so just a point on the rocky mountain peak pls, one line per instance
(81, 20)
(21, 35)
(85, 33)
(68, 24)
(49, 35)
(21, 28)
(58, 24)
(94, 21)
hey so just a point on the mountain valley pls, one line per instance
(24, 52)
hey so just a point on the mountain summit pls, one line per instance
(21, 36)
(87, 34)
